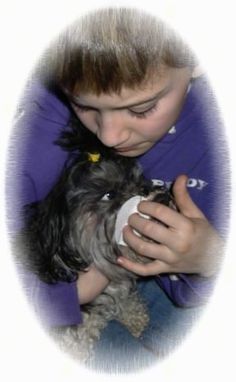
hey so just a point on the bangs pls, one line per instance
(113, 48)
(99, 71)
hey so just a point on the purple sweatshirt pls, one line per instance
(195, 146)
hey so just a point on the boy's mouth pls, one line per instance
(134, 150)
(125, 149)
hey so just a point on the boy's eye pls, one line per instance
(109, 196)
(143, 113)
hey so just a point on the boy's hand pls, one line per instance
(189, 244)
(90, 284)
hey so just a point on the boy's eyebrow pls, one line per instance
(139, 103)
(154, 97)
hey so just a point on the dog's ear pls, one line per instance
(78, 139)
(49, 250)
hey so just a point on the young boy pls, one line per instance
(136, 86)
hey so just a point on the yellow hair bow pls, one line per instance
(94, 157)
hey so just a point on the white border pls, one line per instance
(26, 28)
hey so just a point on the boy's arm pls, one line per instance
(90, 284)
(187, 245)
(58, 304)
(187, 290)
(53, 304)
(35, 164)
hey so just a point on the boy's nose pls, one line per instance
(112, 130)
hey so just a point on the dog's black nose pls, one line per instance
(162, 195)
(146, 190)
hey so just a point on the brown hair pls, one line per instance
(114, 47)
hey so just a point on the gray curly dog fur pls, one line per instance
(74, 227)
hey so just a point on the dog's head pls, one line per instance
(74, 226)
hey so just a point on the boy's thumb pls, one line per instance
(183, 200)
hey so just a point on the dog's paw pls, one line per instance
(134, 316)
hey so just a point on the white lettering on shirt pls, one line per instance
(199, 184)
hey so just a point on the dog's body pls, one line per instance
(74, 227)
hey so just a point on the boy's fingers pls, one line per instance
(157, 249)
(150, 269)
(164, 214)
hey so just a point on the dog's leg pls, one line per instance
(133, 314)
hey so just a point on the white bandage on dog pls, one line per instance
(128, 208)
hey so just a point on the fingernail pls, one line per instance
(119, 260)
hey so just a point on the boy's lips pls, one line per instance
(125, 149)
(137, 149)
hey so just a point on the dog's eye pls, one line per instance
(109, 196)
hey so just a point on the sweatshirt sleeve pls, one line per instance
(187, 290)
(35, 163)
(53, 304)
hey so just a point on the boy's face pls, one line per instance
(134, 120)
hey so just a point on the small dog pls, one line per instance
(74, 227)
